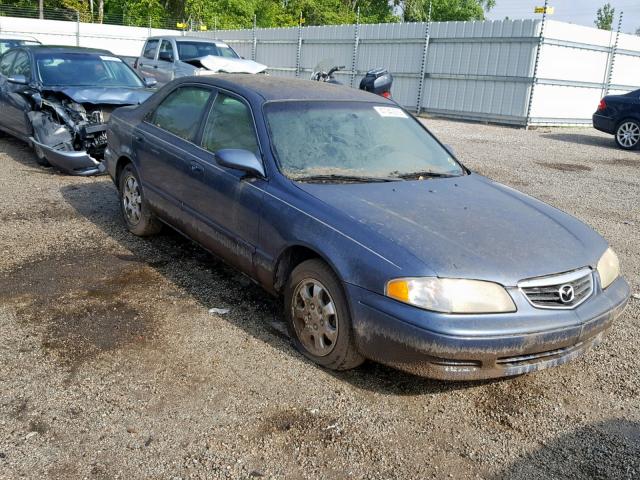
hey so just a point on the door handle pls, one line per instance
(197, 168)
(139, 138)
(155, 66)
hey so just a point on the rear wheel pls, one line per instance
(318, 316)
(137, 215)
(628, 134)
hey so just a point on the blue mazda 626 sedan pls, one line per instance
(382, 244)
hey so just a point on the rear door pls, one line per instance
(147, 63)
(166, 66)
(165, 149)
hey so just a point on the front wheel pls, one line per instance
(318, 316)
(628, 134)
(137, 215)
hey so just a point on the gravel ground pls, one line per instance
(112, 367)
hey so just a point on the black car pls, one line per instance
(619, 115)
(59, 99)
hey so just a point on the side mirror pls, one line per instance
(165, 56)
(243, 160)
(449, 149)
(18, 80)
(149, 82)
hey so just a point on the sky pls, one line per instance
(582, 12)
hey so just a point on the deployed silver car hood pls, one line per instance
(230, 65)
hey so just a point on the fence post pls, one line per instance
(150, 26)
(254, 43)
(612, 58)
(423, 67)
(356, 44)
(534, 78)
(299, 50)
(77, 28)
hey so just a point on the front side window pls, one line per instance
(229, 125)
(22, 65)
(85, 70)
(354, 139)
(150, 49)
(181, 112)
(5, 63)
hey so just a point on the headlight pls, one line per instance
(608, 268)
(450, 295)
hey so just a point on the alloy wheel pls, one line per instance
(628, 134)
(315, 317)
(132, 200)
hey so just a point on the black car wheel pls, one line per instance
(318, 316)
(40, 156)
(628, 134)
(135, 211)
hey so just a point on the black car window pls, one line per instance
(150, 49)
(5, 63)
(229, 125)
(166, 51)
(180, 112)
(22, 65)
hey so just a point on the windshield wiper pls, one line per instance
(425, 174)
(334, 178)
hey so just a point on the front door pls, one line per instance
(224, 204)
(13, 102)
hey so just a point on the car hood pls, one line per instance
(464, 227)
(104, 95)
(229, 65)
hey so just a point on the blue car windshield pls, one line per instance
(85, 70)
(354, 139)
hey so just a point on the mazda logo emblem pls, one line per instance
(566, 293)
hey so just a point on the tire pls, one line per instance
(322, 336)
(628, 134)
(41, 159)
(135, 211)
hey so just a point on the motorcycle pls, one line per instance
(378, 80)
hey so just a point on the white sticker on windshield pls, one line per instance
(109, 59)
(390, 112)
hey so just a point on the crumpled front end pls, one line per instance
(71, 136)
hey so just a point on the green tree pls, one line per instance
(604, 17)
(444, 10)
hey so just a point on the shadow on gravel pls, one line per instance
(22, 153)
(212, 283)
(604, 450)
(582, 139)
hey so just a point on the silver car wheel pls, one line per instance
(132, 200)
(315, 318)
(628, 134)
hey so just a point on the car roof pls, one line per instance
(271, 88)
(180, 38)
(63, 49)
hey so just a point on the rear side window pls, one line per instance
(229, 125)
(150, 49)
(180, 113)
(5, 63)
(22, 65)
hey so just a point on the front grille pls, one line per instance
(554, 291)
(520, 360)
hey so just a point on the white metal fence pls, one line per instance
(471, 70)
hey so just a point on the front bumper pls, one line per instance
(473, 347)
(73, 163)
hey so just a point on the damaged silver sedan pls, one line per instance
(59, 100)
